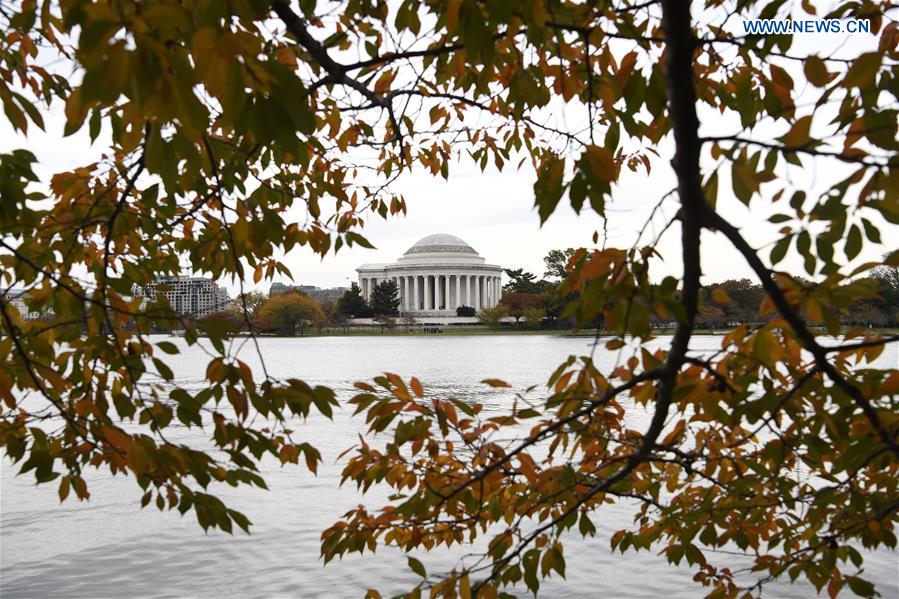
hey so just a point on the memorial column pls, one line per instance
(403, 296)
(477, 292)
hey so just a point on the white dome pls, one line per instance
(441, 243)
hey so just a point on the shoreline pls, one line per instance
(484, 332)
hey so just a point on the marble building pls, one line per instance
(437, 275)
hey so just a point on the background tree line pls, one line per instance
(728, 303)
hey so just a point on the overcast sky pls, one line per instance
(494, 211)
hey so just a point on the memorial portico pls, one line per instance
(437, 275)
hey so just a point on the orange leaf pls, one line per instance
(799, 133)
(602, 163)
(116, 437)
(891, 385)
(496, 383)
(384, 81)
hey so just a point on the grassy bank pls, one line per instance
(457, 331)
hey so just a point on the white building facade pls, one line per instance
(191, 296)
(437, 275)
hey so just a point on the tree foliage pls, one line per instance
(492, 317)
(352, 304)
(556, 262)
(235, 132)
(466, 311)
(249, 303)
(534, 315)
(385, 298)
(521, 281)
(740, 300)
(287, 312)
(517, 302)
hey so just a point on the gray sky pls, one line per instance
(494, 211)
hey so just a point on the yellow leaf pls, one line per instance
(720, 296)
(465, 587)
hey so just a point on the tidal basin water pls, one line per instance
(108, 547)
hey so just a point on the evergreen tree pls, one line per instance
(353, 304)
(557, 262)
(521, 281)
(385, 298)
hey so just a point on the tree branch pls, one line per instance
(337, 73)
(804, 149)
(803, 334)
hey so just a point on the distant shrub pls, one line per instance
(465, 311)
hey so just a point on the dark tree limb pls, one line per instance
(680, 44)
(337, 73)
(804, 149)
(803, 334)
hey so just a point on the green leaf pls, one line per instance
(323, 398)
(586, 526)
(548, 188)
(860, 587)
(710, 189)
(530, 561)
(417, 567)
(863, 71)
(168, 347)
(94, 124)
(743, 181)
(871, 232)
(356, 238)
(164, 371)
(780, 249)
(853, 242)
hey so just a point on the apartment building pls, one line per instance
(188, 296)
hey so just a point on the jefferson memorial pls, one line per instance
(437, 275)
